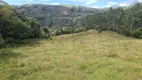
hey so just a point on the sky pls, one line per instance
(87, 3)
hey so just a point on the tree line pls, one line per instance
(126, 21)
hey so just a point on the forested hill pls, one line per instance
(126, 21)
(55, 15)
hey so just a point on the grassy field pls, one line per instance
(82, 56)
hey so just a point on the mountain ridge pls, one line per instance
(56, 15)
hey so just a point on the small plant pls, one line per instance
(13, 61)
(22, 64)
(83, 66)
(112, 55)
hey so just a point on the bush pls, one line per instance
(35, 28)
(12, 41)
(136, 33)
(9, 40)
(45, 36)
(68, 30)
(124, 32)
(20, 30)
(79, 29)
(59, 32)
(46, 31)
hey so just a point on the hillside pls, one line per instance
(126, 21)
(56, 15)
(81, 56)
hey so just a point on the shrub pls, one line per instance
(136, 33)
(9, 40)
(35, 28)
(59, 32)
(68, 30)
(45, 30)
(45, 36)
(83, 66)
(79, 29)
(12, 41)
(124, 31)
(20, 30)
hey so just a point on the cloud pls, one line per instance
(108, 5)
(45, 0)
(77, 0)
(124, 4)
(112, 3)
(131, 1)
(95, 7)
(39, 0)
(55, 4)
(87, 2)
(139, 0)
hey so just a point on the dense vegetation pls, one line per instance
(13, 24)
(56, 15)
(127, 21)
(71, 19)
(17, 23)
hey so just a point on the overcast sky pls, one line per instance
(87, 3)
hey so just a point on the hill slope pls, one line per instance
(82, 56)
(56, 15)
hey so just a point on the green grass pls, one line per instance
(81, 56)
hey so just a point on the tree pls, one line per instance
(35, 28)
(45, 33)
(45, 30)
(14, 24)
